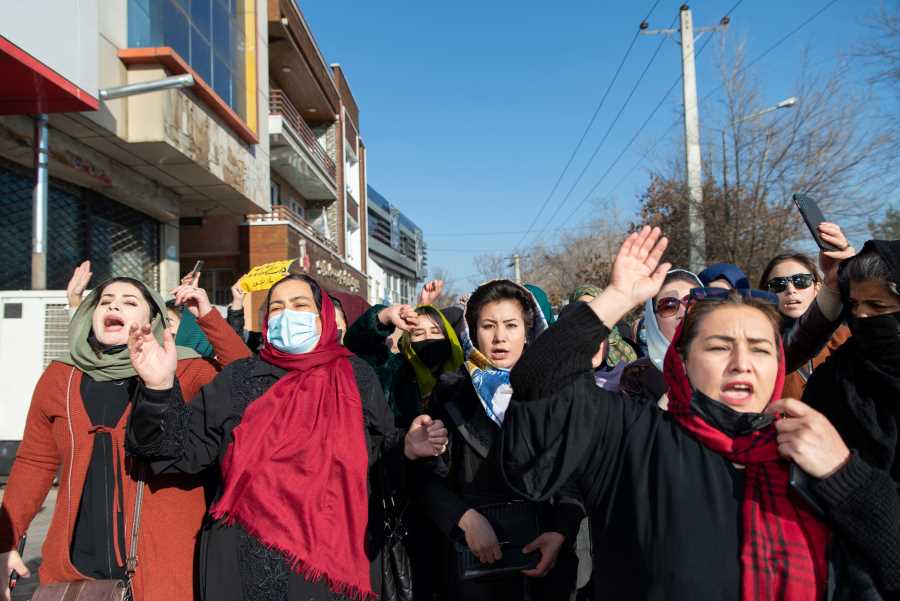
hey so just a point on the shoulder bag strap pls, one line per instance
(131, 562)
(464, 430)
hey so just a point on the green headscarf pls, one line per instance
(190, 335)
(543, 302)
(424, 377)
(585, 290)
(115, 365)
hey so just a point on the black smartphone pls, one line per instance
(14, 576)
(813, 216)
(198, 267)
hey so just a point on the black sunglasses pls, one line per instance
(801, 281)
(699, 294)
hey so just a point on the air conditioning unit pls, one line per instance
(34, 329)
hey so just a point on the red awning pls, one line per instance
(31, 87)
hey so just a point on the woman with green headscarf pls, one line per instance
(76, 422)
(428, 346)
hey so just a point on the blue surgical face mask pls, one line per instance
(293, 332)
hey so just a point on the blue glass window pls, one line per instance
(201, 16)
(208, 34)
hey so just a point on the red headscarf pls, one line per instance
(296, 473)
(783, 544)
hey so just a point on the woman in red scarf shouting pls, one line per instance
(695, 503)
(306, 447)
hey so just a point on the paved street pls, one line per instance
(36, 534)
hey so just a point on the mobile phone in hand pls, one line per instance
(14, 576)
(198, 267)
(813, 216)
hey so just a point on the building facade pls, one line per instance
(121, 172)
(317, 176)
(397, 253)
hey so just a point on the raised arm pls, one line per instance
(174, 435)
(815, 327)
(560, 426)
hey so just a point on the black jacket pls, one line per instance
(668, 508)
(469, 474)
(187, 438)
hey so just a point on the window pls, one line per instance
(274, 193)
(217, 283)
(208, 34)
(82, 224)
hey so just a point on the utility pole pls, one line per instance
(517, 265)
(692, 160)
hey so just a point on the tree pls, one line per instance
(824, 146)
(576, 259)
(888, 227)
(762, 232)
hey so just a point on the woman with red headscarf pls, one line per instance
(695, 503)
(302, 436)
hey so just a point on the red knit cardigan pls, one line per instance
(57, 434)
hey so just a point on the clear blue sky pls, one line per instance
(470, 110)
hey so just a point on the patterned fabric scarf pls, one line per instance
(491, 384)
(290, 481)
(783, 550)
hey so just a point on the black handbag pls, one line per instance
(516, 524)
(396, 570)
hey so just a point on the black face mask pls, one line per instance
(433, 353)
(727, 420)
(878, 337)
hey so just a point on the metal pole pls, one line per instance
(517, 266)
(39, 205)
(696, 229)
(144, 87)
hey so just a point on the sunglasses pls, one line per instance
(669, 306)
(801, 281)
(699, 294)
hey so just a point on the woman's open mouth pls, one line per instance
(737, 393)
(113, 323)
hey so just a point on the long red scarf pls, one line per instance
(296, 473)
(783, 549)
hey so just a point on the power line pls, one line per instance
(633, 139)
(463, 234)
(586, 129)
(615, 120)
(754, 61)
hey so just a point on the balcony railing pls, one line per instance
(280, 105)
(282, 214)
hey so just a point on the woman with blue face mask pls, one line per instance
(306, 446)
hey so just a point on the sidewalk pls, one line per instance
(36, 534)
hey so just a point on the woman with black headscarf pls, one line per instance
(301, 434)
(858, 390)
(465, 494)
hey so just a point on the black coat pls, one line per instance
(234, 566)
(469, 475)
(667, 507)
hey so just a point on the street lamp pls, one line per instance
(784, 104)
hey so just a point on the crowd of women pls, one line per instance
(670, 436)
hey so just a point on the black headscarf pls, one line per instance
(858, 390)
